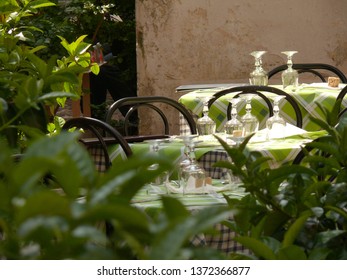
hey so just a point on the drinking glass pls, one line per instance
(205, 125)
(233, 127)
(192, 176)
(154, 148)
(276, 124)
(290, 76)
(250, 123)
(186, 161)
(258, 76)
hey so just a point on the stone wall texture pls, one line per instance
(208, 41)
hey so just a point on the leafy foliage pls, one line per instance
(53, 205)
(29, 85)
(295, 211)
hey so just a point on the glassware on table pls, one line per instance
(250, 123)
(205, 125)
(193, 178)
(233, 127)
(290, 76)
(276, 125)
(187, 149)
(258, 76)
(154, 148)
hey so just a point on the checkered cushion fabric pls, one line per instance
(98, 156)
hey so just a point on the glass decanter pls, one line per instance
(276, 125)
(250, 123)
(205, 125)
(258, 76)
(290, 76)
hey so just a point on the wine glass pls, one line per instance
(187, 150)
(205, 125)
(154, 149)
(258, 76)
(233, 127)
(276, 124)
(250, 123)
(290, 76)
(193, 175)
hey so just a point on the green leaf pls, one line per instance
(60, 155)
(43, 203)
(40, 4)
(132, 172)
(131, 218)
(62, 76)
(257, 247)
(54, 95)
(294, 229)
(178, 232)
(319, 254)
(95, 68)
(291, 252)
(173, 208)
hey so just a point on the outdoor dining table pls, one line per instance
(308, 96)
(279, 151)
(223, 239)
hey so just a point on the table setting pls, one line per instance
(307, 95)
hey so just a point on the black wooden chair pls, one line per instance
(96, 137)
(261, 92)
(160, 105)
(320, 70)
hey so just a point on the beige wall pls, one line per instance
(199, 41)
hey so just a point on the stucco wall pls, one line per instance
(199, 41)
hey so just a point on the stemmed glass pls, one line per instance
(276, 124)
(205, 125)
(192, 176)
(186, 161)
(233, 127)
(154, 148)
(290, 76)
(258, 76)
(250, 123)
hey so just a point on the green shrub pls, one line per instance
(294, 211)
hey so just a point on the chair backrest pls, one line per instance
(321, 70)
(341, 96)
(158, 104)
(261, 92)
(98, 136)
